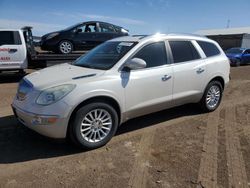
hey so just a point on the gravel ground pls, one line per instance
(179, 147)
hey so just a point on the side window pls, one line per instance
(154, 54)
(247, 52)
(81, 28)
(183, 51)
(209, 48)
(89, 28)
(17, 38)
(10, 38)
(106, 28)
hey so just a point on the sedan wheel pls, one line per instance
(94, 125)
(65, 47)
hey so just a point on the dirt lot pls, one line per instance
(174, 148)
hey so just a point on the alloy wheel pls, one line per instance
(96, 125)
(213, 96)
(65, 47)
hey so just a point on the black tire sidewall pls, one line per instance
(59, 49)
(203, 101)
(79, 117)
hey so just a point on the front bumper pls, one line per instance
(53, 126)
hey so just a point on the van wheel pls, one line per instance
(94, 125)
(65, 47)
(212, 96)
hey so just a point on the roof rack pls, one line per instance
(140, 36)
(187, 34)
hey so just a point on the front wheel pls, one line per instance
(238, 63)
(94, 125)
(212, 96)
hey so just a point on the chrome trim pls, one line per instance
(31, 113)
(200, 70)
(84, 76)
(166, 77)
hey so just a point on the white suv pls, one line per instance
(121, 79)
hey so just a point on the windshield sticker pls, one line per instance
(126, 44)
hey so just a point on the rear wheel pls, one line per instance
(212, 96)
(65, 47)
(94, 125)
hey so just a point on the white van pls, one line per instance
(13, 53)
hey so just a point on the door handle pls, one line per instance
(165, 78)
(200, 70)
(12, 50)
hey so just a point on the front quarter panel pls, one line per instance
(107, 86)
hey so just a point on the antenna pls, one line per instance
(228, 23)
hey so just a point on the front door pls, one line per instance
(150, 89)
(12, 50)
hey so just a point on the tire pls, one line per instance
(65, 47)
(87, 132)
(213, 91)
(238, 63)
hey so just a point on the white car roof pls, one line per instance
(140, 38)
(10, 29)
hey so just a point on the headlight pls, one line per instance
(52, 35)
(54, 94)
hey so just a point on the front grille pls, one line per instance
(23, 89)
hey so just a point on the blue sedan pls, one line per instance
(238, 56)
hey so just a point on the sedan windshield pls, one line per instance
(234, 51)
(105, 55)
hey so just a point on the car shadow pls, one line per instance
(19, 144)
(10, 77)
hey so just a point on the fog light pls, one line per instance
(43, 120)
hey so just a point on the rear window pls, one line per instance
(10, 38)
(183, 51)
(209, 48)
(106, 28)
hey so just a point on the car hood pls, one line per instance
(61, 74)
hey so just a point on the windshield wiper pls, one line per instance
(86, 66)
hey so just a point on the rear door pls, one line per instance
(85, 36)
(106, 32)
(12, 50)
(189, 72)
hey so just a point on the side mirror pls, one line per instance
(79, 30)
(135, 63)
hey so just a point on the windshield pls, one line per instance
(105, 55)
(234, 51)
(71, 27)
